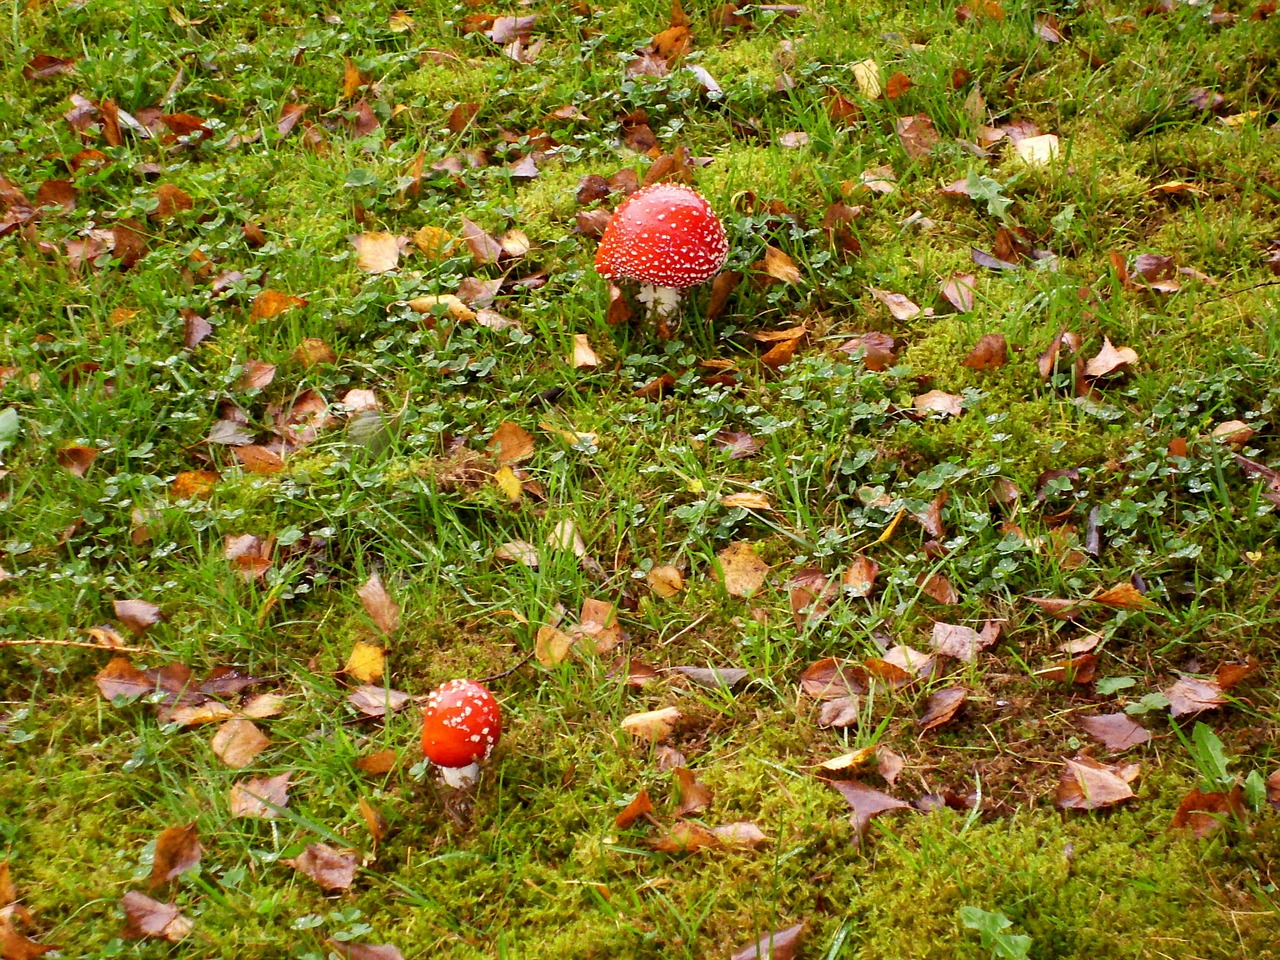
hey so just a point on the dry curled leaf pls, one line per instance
(866, 803)
(177, 850)
(150, 919)
(1110, 359)
(779, 945)
(990, 353)
(1206, 813)
(1087, 784)
(963, 643)
(329, 867)
(695, 795)
(942, 707)
(640, 806)
(652, 725)
(382, 609)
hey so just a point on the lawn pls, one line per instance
(910, 594)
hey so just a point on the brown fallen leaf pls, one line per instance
(137, 615)
(840, 713)
(177, 850)
(740, 569)
(1110, 359)
(666, 581)
(260, 797)
(831, 677)
(511, 443)
(1116, 731)
(900, 306)
(1123, 596)
(272, 303)
(936, 401)
(917, 135)
(866, 803)
(373, 701)
(779, 945)
(695, 795)
(382, 609)
(331, 868)
(748, 500)
(1087, 784)
(859, 578)
(256, 375)
(377, 764)
(879, 350)
(640, 806)
(76, 459)
(779, 265)
(1206, 813)
(938, 588)
(942, 707)
(652, 725)
(740, 835)
(990, 353)
(961, 642)
(958, 290)
(145, 918)
(684, 837)
(364, 951)
(713, 678)
(1190, 695)
(238, 742)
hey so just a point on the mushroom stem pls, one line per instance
(460, 777)
(661, 301)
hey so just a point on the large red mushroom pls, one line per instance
(460, 725)
(666, 236)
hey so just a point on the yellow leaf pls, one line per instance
(509, 483)
(583, 355)
(435, 243)
(741, 569)
(652, 725)
(366, 662)
(1123, 596)
(748, 501)
(552, 646)
(867, 74)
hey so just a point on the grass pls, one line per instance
(93, 356)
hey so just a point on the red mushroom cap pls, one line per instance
(460, 724)
(666, 235)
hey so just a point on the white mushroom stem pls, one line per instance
(459, 777)
(661, 301)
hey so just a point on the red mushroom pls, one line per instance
(666, 236)
(460, 725)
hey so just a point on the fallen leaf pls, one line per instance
(331, 868)
(889, 764)
(866, 803)
(741, 835)
(779, 265)
(936, 401)
(740, 569)
(990, 353)
(900, 306)
(552, 646)
(685, 837)
(959, 289)
(510, 443)
(917, 135)
(260, 797)
(256, 375)
(366, 662)
(382, 609)
(666, 581)
(651, 725)
(583, 355)
(840, 713)
(518, 551)
(76, 459)
(779, 945)
(377, 252)
(747, 500)
(942, 707)
(1087, 784)
(640, 806)
(145, 918)
(177, 850)
(137, 615)
(938, 588)
(859, 578)
(43, 66)
(961, 642)
(1049, 359)
(364, 951)
(1079, 669)
(695, 795)
(879, 350)
(272, 303)
(737, 444)
(377, 764)
(1037, 151)
(714, 678)
(1190, 695)
(377, 701)
(1116, 731)
(1123, 596)
(832, 677)
(1110, 359)
(238, 742)
(1206, 813)
(866, 73)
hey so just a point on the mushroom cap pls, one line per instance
(460, 724)
(667, 235)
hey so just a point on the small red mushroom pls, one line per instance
(666, 236)
(460, 725)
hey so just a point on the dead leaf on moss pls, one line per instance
(740, 569)
(1087, 784)
(150, 919)
(866, 803)
(1110, 359)
(936, 401)
(1116, 731)
(331, 868)
(942, 707)
(652, 725)
(137, 615)
(177, 850)
(990, 353)
(366, 662)
(961, 642)
(666, 581)
(1123, 596)
(900, 306)
(378, 603)
(260, 797)
(1206, 813)
(779, 945)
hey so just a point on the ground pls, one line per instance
(239, 434)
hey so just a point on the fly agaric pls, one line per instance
(666, 236)
(460, 725)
